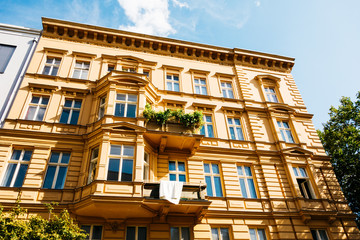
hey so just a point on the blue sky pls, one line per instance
(322, 35)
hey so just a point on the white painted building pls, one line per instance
(17, 45)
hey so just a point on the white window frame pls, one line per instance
(285, 131)
(212, 175)
(53, 65)
(83, 69)
(257, 233)
(121, 158)
(126, 102)
(37, 106)
(18, 163)
(58, 165)
(136, 231)
(246, 177)
(94, 157)
(206, 124)
(172, 81)
(102, 107)
(270, 94)
(227, 90)
(129, 69)
(300, 173)
(180, 237)
(219, 234)
(235, 128)
(90, 237)
(72, 108)
(176, 172)
(318, 236)
(197, 83)
(6, 55)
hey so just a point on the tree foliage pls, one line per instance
(341, 140)
(61, 226)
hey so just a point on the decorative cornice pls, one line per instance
(60, 29)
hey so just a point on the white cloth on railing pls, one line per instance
(171, 191)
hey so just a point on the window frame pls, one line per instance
(219, 232)
(82, 69)
(129, 68)
(146, 170)
(126, 103)
(270, 95)
(200, 85)
(177, 172)
(121, 159)
(136, 231)
(269, 81)
(226, 89)
(12, 49)
(93, 164)
(102, 106)
(318, 236)
(246, 179)
(284, 131)
(71, 110)
(212, 176)
(256, 229)
(181, 232)
(18, 163)
(205, 132)
(298, 176)
(38, 106)
(235, 127)
(172, 81)
(90, 237)
(58, 165)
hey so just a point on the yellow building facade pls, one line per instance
(76, 135)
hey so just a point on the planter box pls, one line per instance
(170, 127)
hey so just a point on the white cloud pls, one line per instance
(147, 16)
(257, 3)
(180, 4)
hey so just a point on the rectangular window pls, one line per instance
(6, 52)
(125, 105)
(177, 171)
(136, 233)
(121, 163)
(172, 82)
(56, 170)
(200, 86)
(129, 69)
(257, 234)
(81, 70)
(51, 66)
(146, 173)
(93, 163)
(16, 169)
(227, 90)
(220, 234)
(147, 73)
(94, 232)
(246, 180)
(37, 108)
(235, 129)
(71, 111)
(213, 180)
(285, 131)
(303, 181)
(207, 129)
(102, 107)
(180, 233)
(319, 234)
(110, 67)
(271, 94)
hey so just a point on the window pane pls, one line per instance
(131, 110)
(127, 169)
(214, 234)
(174, 233)
(74, 117)
(197, 89)
(76, 73)
(202, 130)
(115, 150)
(224, 234)
(97, 232)
(224, 93)
(61, 178)
(251, 188)
(65, 116)
(16, 155)
(206, 168)
(130, 233)
(252, 234)
(323, 235)
(181, 166)
(176, 87)
(243, 188)
(169, 86)
(215, 168)
(314, 235)
(172, 177)
(203, 90)
(54, 158)
(182, 178)
(176, 78)
(240, 170)
(77, 104)
(185, 233)
(119, 110)
(172, 166)
(132, 98)
(232, 133)
(9, 174)
(41, 113)
(261, 233)
(208, 119)
(113, 171)
(31, 113)
(141, 233)
(209, 191)
(86, 228)
(50, 173)
(218, 188)
(46, 70)
(237, 121)
(210, 131)
(248, 171)
(65, 158)
(128, 150)
(231, 95)
(21, 175)
(45, 100)
(230, 121)
(27, 155)
(121, 97)
(303, 172)
(289, 135)
(295, 171)
(239, 133)
(6, 53)
(68, 103)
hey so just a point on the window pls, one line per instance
(125, 105)
(16, 169)
(147, 73)
(213, 180)
(93, 162)
(146, 173)
(235, 129)
(56, 171)
(319, 234)
(227, 90)
(136, 233)
(6, 52)
(220, 234)
(102, 107)
(51, 66)
(257, 234)
(177, 171)
(207, 129)
(110, 68)
(303, 182)
(94, 232)
(200, 86)
(180, 233)
(81, 70)
(172, 82)
(246, 182)
(37, 108)
(271, 94)
(120, 163)
(71, 111)
(285, 131)
(129, 69)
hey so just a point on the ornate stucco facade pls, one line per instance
(76, 135)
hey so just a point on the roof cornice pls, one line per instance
(65, 30)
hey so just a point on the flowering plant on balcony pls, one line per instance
(189, 120)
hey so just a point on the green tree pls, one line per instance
(37, 228)
(341, 140)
